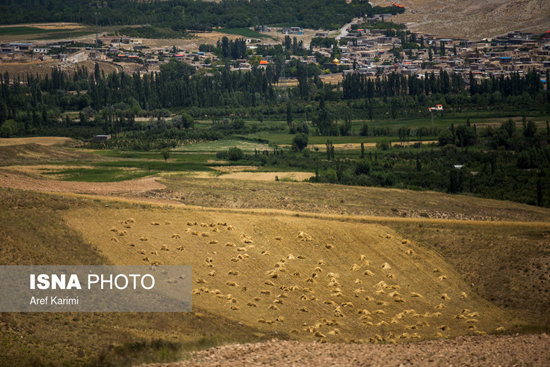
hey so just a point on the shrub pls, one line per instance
(362, 167)
(235, 154)
(303, 128)
(445, 138)
(384, 145)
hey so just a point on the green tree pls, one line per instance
(363, 167)
(383, 145)
(456, 181)
(445, 137)
(235, 154)
(165, 154)
(289, 113)
(510, 127)
(3, 112)
(299, 142)
(330, 149)
(530, 129)
(465, 135)
(187, 121)
(303, 128)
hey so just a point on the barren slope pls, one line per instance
(475, 19)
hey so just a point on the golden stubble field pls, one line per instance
(311, 279)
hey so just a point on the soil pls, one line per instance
(44, 140)
(268, 176)
(524, 350)
(17, 181)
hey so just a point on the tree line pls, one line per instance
(181, 15)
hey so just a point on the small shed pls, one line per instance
(102, 137)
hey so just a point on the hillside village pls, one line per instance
(370, 52)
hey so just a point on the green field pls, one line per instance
(245, 32)
(45, 34)
(97, 175)
(60, 35)
(217, 146)
(18, 31)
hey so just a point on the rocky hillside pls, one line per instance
(475, 19)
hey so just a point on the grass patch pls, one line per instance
(157, 166)
(291, 24)
(97, 175)
(220, 145)
(152, 32)
(19, 31)
(245, 32)
(66, 35)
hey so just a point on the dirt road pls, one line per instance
(525, 350)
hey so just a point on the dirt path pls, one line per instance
(14, 181)
(525, 350)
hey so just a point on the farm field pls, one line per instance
(244, 32)
(44, 31)
(288, 260)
